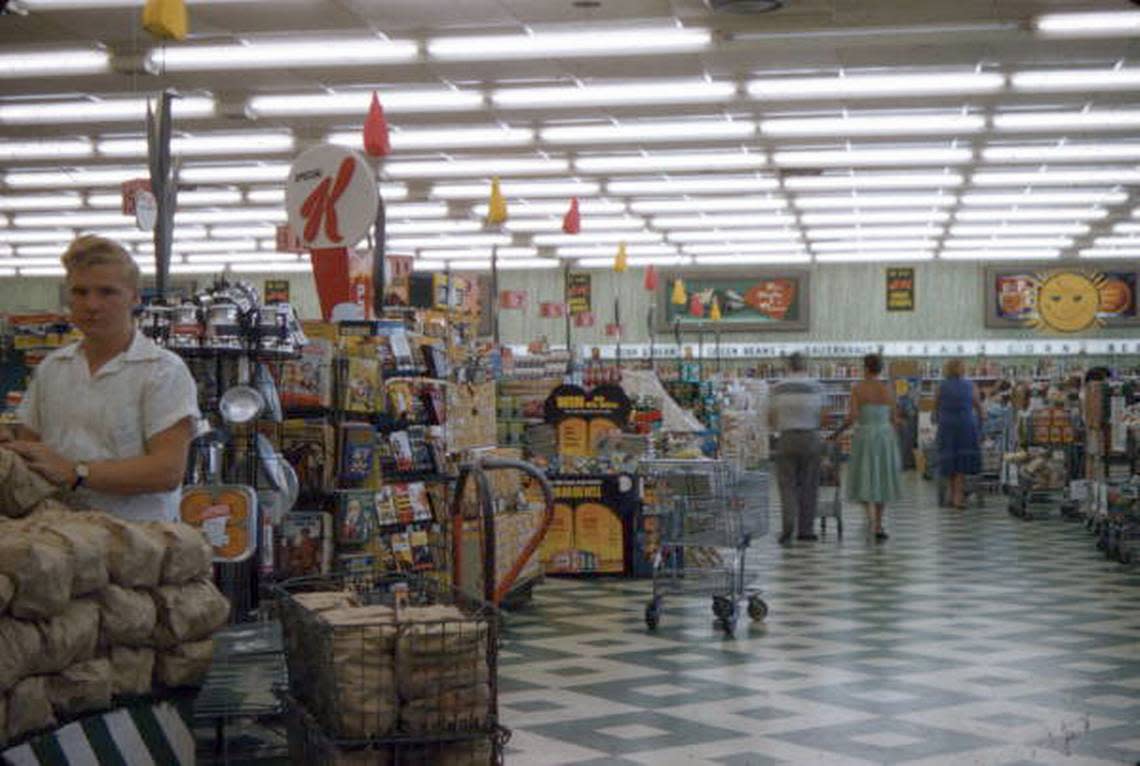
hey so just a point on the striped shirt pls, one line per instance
(797, 403)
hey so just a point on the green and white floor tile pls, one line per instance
(971, 637)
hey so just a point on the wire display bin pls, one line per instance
(708, 514)
(390, 670)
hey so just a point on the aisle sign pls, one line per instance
(276, 291)
(578, 290)
(900, 289)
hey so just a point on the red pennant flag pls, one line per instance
(376, 142)
(696, 308)
(651, 278)
(572, 222)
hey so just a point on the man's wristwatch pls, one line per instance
(82, 471)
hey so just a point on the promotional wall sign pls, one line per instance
(746, 300)
(1062, 300)
(276, 291)
(578, 289)
(552, 310)
(900, 289)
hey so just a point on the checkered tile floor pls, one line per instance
(970, 637)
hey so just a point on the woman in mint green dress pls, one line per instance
(873, 471)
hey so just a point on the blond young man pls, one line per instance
(109, 417)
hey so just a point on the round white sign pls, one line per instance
(331, 197)
(146, 210)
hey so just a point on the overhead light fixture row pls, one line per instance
(1103, 119)
(546, 45)
(307, 54)
(838, 182)
(615, 94)
(693, 185)
(874, 201)
(356, 103)
(707, 205)
(902, 256)
(1056, 178)
(1045, 197)
(853, 86)
(650, 132)
(524, 209)
(83, 111)
(442, 138)
(1032, 213)
(649, 163)
(889, 125)
(1076, 80)
(54, 63)
(1089, 24)
(514, 189)
(1103, 152)
(752, 259)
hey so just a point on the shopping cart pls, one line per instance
(830, 473)
(1040, 479)
(707, 516)
(988, 480)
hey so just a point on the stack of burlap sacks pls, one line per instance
(93, 608)
(363, 674)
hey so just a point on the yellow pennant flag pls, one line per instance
(621, 262)
(166, 19)
(497, 207)
(714, 312)
(679, 297)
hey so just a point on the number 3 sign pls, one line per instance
(331, 197)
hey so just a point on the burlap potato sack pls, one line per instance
(131, 671)
(475, 752)
(135, 554)
(40, 566)
(128, 617)
(82, 688)
(428, 679)
(184, 665)
(89, 549)
(188, 553)
(29, 708)
(356, 693)
(7, 590)
(189, 612)
(438, 631)
(21, 488)
(451, 710)
(23, 643)
(69, 637)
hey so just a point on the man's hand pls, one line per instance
(46, 462)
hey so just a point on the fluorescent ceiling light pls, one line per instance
(449, 242)
(193, 268)
(251, 142)
(7, 272)
(1106, 119)
(1058, 177)
(615, 94)
(648, 163)
(265, 196)
(1126, 228)
(234, 173)
(47, 271)
(751, 247)
(687, 236)
(588, 224)
(888, 125)
(998, 255)
(873, 232)
(1032, 214)
(420, 265)
(207, 197)
(292, 54)
(874, 85)
(431, 227)
(693, 185)
(46, 149)
(587, 238)
(1089, 197)
(488, 166)
(872, 157)
(874, 201)
(223, 246)
(71, 220)
(873, 244)
(146, 238)
(1020, 230)
(512, 188)
(276, 267)
(86, 110)
(534, 209)
(442, 138)
(750, 259)
(653, 260)
(232, 215)
(27, 253)
(872, 181)
(243, 255)
(1108, 252)
(56, 63)
(61, 201)
(1023, 243)
(727, 221)
(65, 179)
(1095, 24)
(549, 45)
(1064, 153)
(417, 210)
(15, 237)
(483, 253)
(1063, 80)
(601, 251)
(889, 217)
(239, 232)
(707, 205)
(521, 264)
(357, 102)
(648, 132)
(861, 257)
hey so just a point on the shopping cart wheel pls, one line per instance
(757, 609)
(723, 607)
(652, 614)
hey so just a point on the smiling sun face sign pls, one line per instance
(1068, 301)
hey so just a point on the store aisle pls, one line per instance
(970, 638)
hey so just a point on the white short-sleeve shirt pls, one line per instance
(111, 415)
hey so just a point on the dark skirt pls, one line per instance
(958, 448)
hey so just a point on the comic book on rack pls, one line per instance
(301, 544)
(306, 383)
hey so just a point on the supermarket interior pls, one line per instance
(553, 382)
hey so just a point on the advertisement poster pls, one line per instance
(591, 518)
(581, 419)
(1061, 300)
(746, 301)
(276, 291)
(900, 289)
(578, 287)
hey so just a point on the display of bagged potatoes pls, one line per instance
(84, 687)
(128, 617)
(23, 644)
(131, 671)
(184, 665)
(69, 637)
(29, 708)
(188, 612)
(7, 591)
(88, 546)
(41, 568)
(188, 553)
(21, 488)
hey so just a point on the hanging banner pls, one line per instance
(276, 291)
(900, 289)
(552, 310)
(512, 299)
(585, 319)
(578, 287)
(613, 330)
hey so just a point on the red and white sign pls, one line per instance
(331, 197)
(613, 330)
(512, 299)
(399, 266)
(584, 319)
(552, 310)
(128, 190)
(287, 241)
